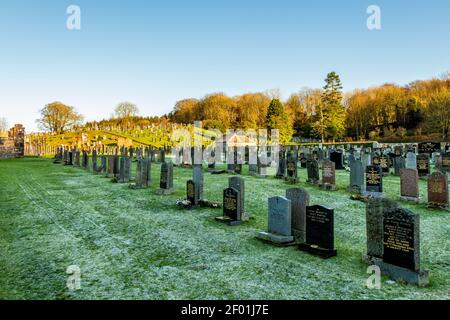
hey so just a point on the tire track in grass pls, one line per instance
(78, 209)
(49, 216)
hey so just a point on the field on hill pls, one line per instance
(133, 244)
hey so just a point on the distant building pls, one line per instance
(12, 145)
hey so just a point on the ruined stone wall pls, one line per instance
(12, 146)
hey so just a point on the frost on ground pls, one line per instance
(133, 244)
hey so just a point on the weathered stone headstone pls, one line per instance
(103, 164)
(124, 169)
(192, 191)
(76, 160)
(197, 177)
(399, 164)
(319, 231)
(299, 201)
(166, 179)
(143, 173)
(312, 167)
(329, 175)
(94, 161)
(374, 224)
(423, 165)
(85, 160)
(279, 222)
(357, 169)
(409, 185)
(281, 168)
(411, 160)
(438, 191)
(291, 168)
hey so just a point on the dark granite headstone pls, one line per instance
(423, 165)
(319, 231)
(374, 179)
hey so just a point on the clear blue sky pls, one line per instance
(154, 53)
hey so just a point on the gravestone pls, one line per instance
(423, 165)
(111, 163)
(291, 168)
(312, 167)
(399, 164)
(238, 184)
(76, 161)
(337, 158)
(438, 191)
(411, 160)
(329, 175)
(231, 207)
(374, 224)
(393, 243)
(319, 232)
(143, 173)
(445, 162)
(357, 169)
(94, 161)
(384, 163)
(429, 147)
(279, 222)
(374, 181)
(197, 177)
(303, 162)
(398, 151)
(281, 168)
(166, 179)
(124, 169)
(70, 158)
(85, 162)
(409, 185)
(103, 164)
(261, 169)
(299, 201)
(192, 191)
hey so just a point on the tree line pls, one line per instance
(387, 112)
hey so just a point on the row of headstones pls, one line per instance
(68, 155)
(119, 169)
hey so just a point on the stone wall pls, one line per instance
(12, 146)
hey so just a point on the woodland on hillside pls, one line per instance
(389, 112)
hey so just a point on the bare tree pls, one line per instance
(126, 110)
(57, 117)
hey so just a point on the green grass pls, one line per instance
(133, 244)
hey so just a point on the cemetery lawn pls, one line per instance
(133, 244)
